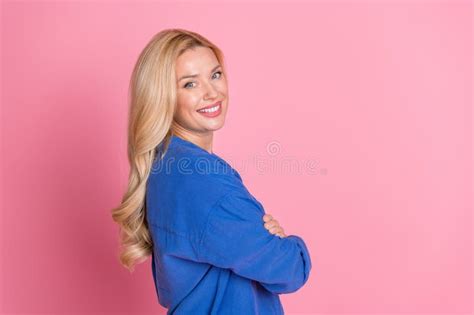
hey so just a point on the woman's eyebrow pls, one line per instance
(195, 75)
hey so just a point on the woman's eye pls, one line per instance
(187, 84)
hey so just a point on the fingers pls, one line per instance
(279, 232)
(271, 224)
(276, 229)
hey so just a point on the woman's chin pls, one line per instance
(212, 123)
(214, 127)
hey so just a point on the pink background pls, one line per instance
(373, 98)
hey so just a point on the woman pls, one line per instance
(213, 248)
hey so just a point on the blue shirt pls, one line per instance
(211, 251)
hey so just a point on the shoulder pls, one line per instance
(192, 173)
(187, 163)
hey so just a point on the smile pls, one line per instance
(211, 111)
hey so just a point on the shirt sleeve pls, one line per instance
(235, 238)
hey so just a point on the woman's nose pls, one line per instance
(211, 91)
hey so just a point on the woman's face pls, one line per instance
(201, 83)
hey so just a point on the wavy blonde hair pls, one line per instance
(153, 101)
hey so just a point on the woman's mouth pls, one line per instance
(212, 111)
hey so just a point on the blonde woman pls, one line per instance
(213, 248)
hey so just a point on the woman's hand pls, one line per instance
(273, 226)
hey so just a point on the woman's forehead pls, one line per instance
(196, 60)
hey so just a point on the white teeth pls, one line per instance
(209, 110)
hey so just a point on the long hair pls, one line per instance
(152, 105)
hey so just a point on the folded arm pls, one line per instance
(235, 238)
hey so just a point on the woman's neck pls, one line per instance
(202, 140)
